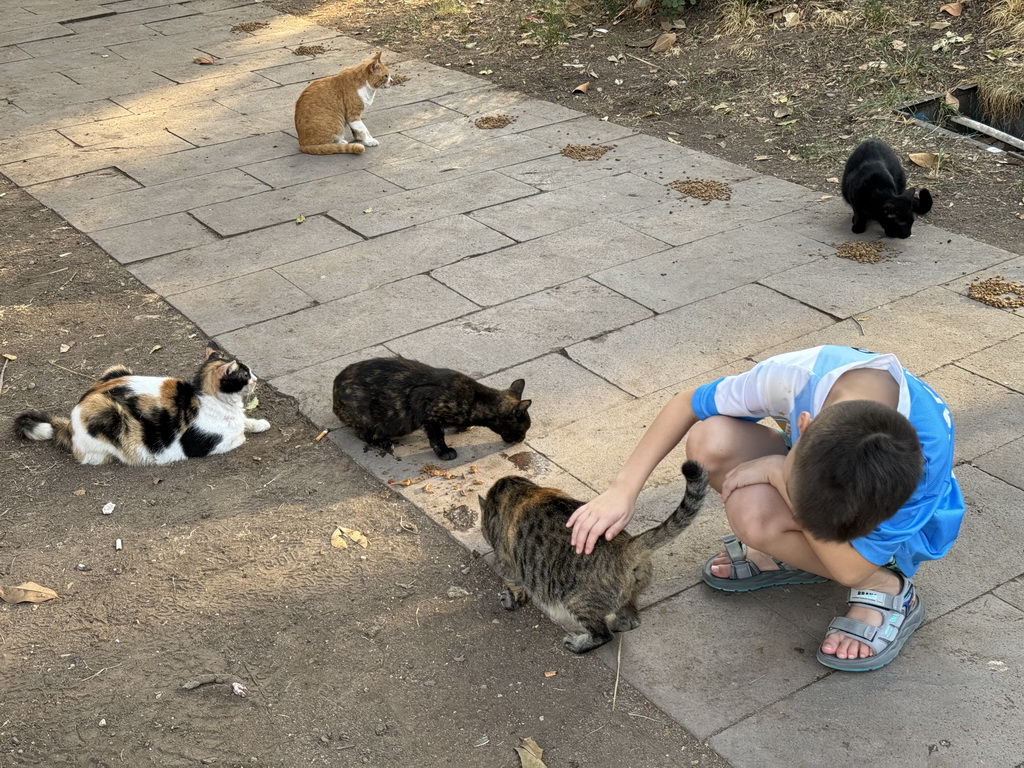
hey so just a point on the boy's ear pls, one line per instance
(803, 421)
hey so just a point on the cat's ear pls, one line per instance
(227, 369)
(522, 405)
(209, 352)
(517, 387)
(375, 61)
(922, 201)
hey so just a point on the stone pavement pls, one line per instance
(490, 252)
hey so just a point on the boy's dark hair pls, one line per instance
(858, 462)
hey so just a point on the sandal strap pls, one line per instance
(876, 638)
(734, 548)
(876, 600)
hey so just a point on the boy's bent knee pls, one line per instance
(708, 443)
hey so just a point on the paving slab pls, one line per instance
(447, 165)
(227, 91)
(734, 325)
(426, 82)
(520, 330)
(1005, 462)
(1003, 363)
(234, 216)
(371, 263)
(924, 723)
(928, 330)
(289, 343)
(208, 159)
(153, 237)
(406, 209)
(241, 301)
(74, 160)
(237, 256)
(672, 278)
(499, 276)
(548, 212)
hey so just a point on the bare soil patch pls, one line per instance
(785, 89)
(227, 577)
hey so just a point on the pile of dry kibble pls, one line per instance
(997, 292)
(397, 79)
(702, 189)
(585, 152)
(309, 50)
(494, 121)
(857, 250)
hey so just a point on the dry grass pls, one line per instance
(737, 17)
(1001, 94)
(1008, 16)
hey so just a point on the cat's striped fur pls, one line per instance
(140, 420)
(590, 595)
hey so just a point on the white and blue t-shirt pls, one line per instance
(782, 387)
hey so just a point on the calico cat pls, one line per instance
(328, 105)
(875, 186)
(142, 420)
(591, 595)
(388, 397)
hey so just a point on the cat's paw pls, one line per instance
(626, 620)
(369, 141)
(508, 600)
(257, 425)
(859, 227)
(580, 642)
(446, 454)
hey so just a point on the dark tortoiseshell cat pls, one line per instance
(141, 420)
(590, 595)
(388, 397)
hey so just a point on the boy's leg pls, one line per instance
(760, 517)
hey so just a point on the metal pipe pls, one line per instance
(1013, 141)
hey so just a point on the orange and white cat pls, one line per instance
(331, 104)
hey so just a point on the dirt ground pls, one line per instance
(789, 96)
(227, 575)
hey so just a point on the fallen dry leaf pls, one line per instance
(792, 18)
(155, 348)
(581, 88)
(355, 536)
(953, 9)
(951, 100)
(833, 179)
(79, 492)
(552, 673)
(530, 754)
(29, 592)
(10, 357)
(338, 539)
(665, 41)
(203, 60)
(924, 159)
(939, 25)
(65, 347)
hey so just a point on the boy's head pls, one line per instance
(854, 466)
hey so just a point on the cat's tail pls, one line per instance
(351, 148)
(36, 425)
(678, 521)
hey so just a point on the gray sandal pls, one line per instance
(898, 622)
(745, 576)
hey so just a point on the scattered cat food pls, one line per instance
(997, 292)
(586, 152)
(702, 189)
(494, 121)
(249, 26)
(29, 592)
(435, 471)
(427, 489)
(454, 592)
(857, 250)
(397, 79)
(461, 517)
(309, 50)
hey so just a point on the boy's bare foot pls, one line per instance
(835, 644)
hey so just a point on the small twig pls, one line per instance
(62, 269)
(90, 677)
(417, 617)
(618, 667)
(68, 280)
(2, 372)
(859, 326)
(593, 731)
(643, 60)
(637, 714)
(58, 365)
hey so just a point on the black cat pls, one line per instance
(875, 186)
(388, 397)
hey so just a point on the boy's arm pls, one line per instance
(609, 513)
(844, 563)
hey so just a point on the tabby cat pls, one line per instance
(591, 595)
(328, 105)
(141, 420)
(389, 397)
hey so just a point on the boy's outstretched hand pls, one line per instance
(607, 514)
